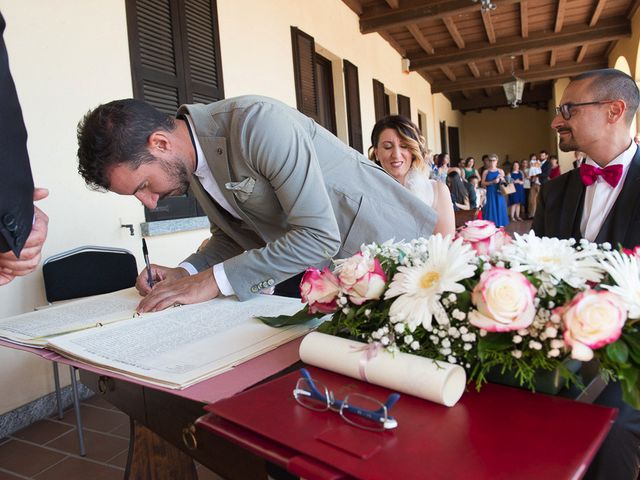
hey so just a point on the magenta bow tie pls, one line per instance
(610, 174)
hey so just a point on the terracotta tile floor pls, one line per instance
(48, 449)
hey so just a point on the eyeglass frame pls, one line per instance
(380, 416)
(560, 109)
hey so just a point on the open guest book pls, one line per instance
(174, 348)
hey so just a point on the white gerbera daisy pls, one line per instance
(420, 287)
(625, 272)
(554, 260)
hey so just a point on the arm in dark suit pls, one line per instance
(473, 198)
(16, 184)
(546, 170)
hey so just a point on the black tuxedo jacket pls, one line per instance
(560, 205)
(16, 183)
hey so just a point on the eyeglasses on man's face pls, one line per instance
(357, 409)
(566, 109)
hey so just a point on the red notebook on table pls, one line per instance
(499, 433)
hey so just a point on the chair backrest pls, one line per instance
(88, 270)
(464, 216)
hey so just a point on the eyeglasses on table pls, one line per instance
(356, 409)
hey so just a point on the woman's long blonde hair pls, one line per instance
(410, 133)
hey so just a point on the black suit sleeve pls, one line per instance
(16, 183)
(538, 220)
(546, 170)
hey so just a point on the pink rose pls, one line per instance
(591, 320)
(632, 252)
(483, 236)
(504, 300)
(320, 290)
(362, 279)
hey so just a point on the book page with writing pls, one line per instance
(34, 328)
(181, 346)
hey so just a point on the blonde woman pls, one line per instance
(398, 147)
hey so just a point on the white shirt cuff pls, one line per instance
(221, 279)
(191, 270)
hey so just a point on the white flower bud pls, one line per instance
(517, 339)
(399, 328)
(446, 343)
(551, 332)
(408, 339)
(367, 312)
(557, 343)
(483, 332)
(463, 329)
(452, 297)
(467, 347)
(415, 345)
(553, 353)
(516, 353)
(551, 304)
(384, 340)
(452, 359)
(606, 246)
(535, 345)
(346, 310)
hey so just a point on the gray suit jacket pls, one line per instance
(303, 195)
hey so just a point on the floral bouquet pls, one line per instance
(487, 302)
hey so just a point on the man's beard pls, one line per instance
(179, 175)
(567, 145)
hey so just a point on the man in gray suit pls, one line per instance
(281, 192)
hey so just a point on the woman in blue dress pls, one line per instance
(495, 208)
(518, 198)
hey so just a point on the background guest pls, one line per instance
(481, 193)
(495, 208)
(579, 158)
(399, 148)
(555, 167)
(516, 199)
(470, 168)
(459, 194)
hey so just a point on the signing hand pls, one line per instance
(10, 265)
(158, 274)
(190, 289)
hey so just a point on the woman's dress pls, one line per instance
(518, 196)
(495, 209)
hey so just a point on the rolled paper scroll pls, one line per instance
(437, 381)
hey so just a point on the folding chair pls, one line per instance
(82, 272)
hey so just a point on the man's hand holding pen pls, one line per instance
(175, 285)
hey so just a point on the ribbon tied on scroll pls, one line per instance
(369, 352)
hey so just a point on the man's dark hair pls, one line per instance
(115, 133)
(613, 84)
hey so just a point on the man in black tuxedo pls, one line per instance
(600, 201)
(545, 166)
(22, 233)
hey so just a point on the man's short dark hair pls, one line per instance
(115, 133)
(613, 84)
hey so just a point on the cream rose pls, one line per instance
(592, 320)
(362, 279)
(483, 236)
(504, 301)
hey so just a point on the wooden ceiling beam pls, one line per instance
(449, 73)
(474, 69)
(499, 65)
(597, 12)
(525, 62)
(393, 43)
(524, 19)
(540, 94)
(488, 26)
(609, 30)
(374, 21)
(453, 31)
(393, 3)
(421, 39)
(562, 6)
(354, 5)
(565, 69)
(581, 53)
(553, 58)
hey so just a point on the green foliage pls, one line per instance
(297, 318)
(618, 351)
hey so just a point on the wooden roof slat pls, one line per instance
(536, 74)
(597, 12)
(453, 31)
(612, 29)
(524, 19)
(553, 58)
(393, 3)
(421, 39)
(375, 21)
(499, 65)
(488, 26)
(525, 61)
(562, 6)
